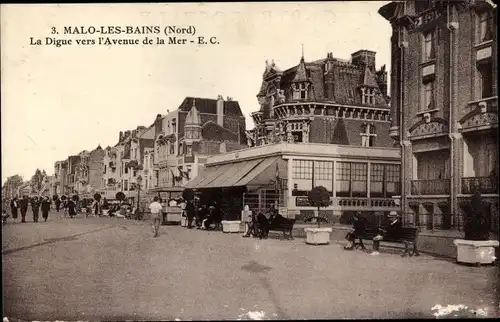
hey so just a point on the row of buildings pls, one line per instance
(166, 154)
(330, 122)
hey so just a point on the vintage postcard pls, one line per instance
(250, 161)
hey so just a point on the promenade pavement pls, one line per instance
(113, 269)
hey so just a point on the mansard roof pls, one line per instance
(208, 105)
(345, 79)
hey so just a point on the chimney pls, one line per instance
(134, 133)
(220, 110)
(120, 137)
(127, 134)
(364, 58)
(158, 125)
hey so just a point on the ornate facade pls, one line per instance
(184, 138)
(328, 101)
(445, 107)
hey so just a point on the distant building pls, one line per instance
(123, 163)
(445, 108)
(184, 138)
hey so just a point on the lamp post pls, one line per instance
(139, 181)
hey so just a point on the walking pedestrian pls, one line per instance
(58, 204)
(13, 208)
(35, 207)
(156, 210)
(45, 208)
(24, 208)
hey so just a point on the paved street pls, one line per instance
(105, 268)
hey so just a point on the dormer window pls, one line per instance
(299, 91)
(368, 135)
(367, 96)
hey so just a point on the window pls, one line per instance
(105, 169)
(125, 185)
(302, 91)
(429, 50)
(302, 169)
(392, 172)
(126, 169)
(323, 170)
(172, 148)
(189, 150)
(485, 70)
(359, 173)
(367, 96)
(368, 135)
(485, 27)
(428, 102)
(174, 126)
(299, 91)
(135, 173)
(343, 177)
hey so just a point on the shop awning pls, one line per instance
(234, 173)
(167, 189)
(207, 175)
(263, 174)
(258, 172)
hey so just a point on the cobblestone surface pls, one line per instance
(105, 268)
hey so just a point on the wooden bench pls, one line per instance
(409, 235)
(284, 225)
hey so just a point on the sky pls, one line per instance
(58, 101)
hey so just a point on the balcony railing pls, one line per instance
(430, 187)
(346, 202)
(483, 184)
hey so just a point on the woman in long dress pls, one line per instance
(14, 205)
(45, 208)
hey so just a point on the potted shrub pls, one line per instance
(318, 197)
(476, 248)
(120, 196)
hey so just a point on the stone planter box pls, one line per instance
(231, 226)
(318, 236)
(476, 251)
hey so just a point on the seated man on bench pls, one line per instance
(393, 231)
(358, 229)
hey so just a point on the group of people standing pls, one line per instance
(38, 204)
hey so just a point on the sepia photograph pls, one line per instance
(250, 160)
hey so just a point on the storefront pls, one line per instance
(358, 178)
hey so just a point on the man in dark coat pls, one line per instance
(358, 228)
(190, 213)
(45, 208)
(24, 208)
(71, 208)
(35, 206)
(14, 205)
